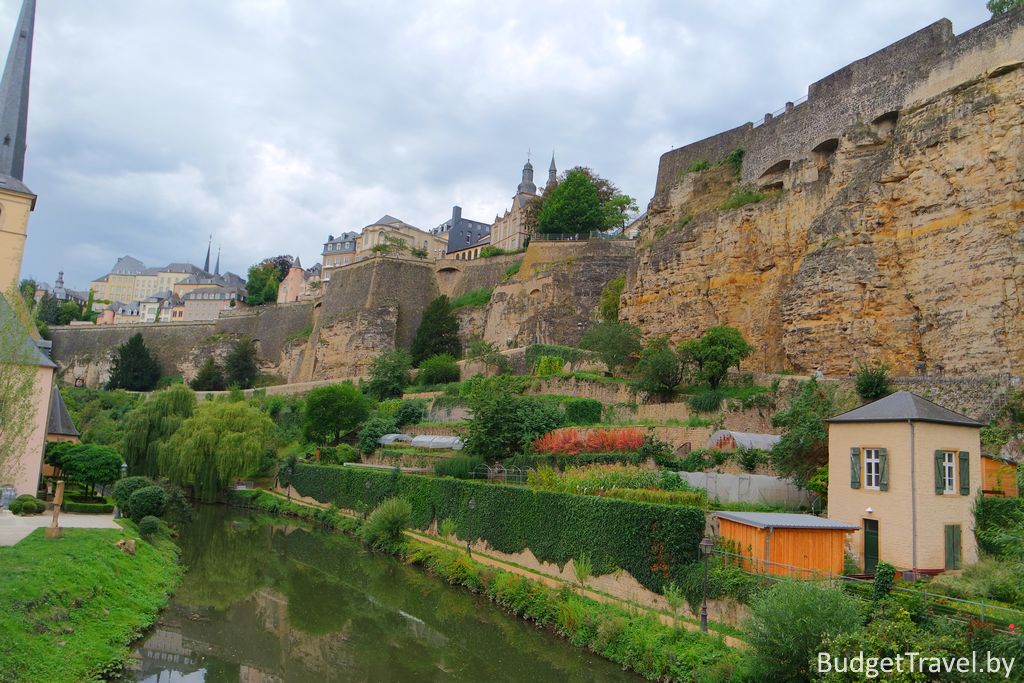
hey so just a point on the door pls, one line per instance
(953, 546)
(870, 545)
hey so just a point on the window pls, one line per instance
(948, 472)
(872, 468)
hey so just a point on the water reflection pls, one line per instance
(269, 602)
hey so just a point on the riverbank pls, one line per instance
(630, 637)
(69, 608)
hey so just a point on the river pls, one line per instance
(267, 601)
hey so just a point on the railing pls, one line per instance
(506, 475)
(580, 237)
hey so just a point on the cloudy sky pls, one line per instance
(271, 123)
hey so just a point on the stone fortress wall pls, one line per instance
(870, 90)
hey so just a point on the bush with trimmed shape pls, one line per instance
(124, 489)
(147, 501)
(149, 526)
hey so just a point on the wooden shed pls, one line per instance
(800, 546)
(998, 476)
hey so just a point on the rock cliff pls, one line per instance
(903, 243)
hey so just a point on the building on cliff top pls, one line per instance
(465, 236)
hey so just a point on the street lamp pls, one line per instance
(124, 470)
(469, 547)
(706, 545)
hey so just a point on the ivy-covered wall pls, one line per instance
(654, 543)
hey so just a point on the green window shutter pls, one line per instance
(953, 547)
(883, 469)
(854, 468)
(940, 486)
(965, 473)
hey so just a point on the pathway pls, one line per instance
(14, 528)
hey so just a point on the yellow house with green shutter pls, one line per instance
(905, 471)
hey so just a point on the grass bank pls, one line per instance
(70, 608)
(633, 638)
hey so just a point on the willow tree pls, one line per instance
(148, 426)
(19, 361)
(220, 442)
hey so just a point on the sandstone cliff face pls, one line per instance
(904, 244)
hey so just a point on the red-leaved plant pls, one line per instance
(570, 441)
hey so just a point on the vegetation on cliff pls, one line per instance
(134, 367)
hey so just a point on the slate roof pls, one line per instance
(60, 422)
(784, 520)
(14, 94)
(901, 407)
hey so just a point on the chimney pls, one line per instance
(456, 215)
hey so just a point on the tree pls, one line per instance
(997, 7)
(149, 425)
(614, 342)
(389, 375)
(375, 428)
(333, 411)
(438, 332)
(583, 202)
(803, 448)
(504, 422)
(27, 289)
(487, 353)
(711, 356)
(134, 368)
(390, 245)
(219, 442)
(240, 367)
(789, 623)
(608, 308)
(439, 369)
(209, 378)
(48, 309)
(18, 363)
(872, 381)
(261, 287)
(659, 368)
(91, 464)
(67, 312)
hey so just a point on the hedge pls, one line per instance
(582, 411)
(654, 543)
(993, 514)
(568, 354)
(88, 508)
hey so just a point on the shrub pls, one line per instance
(458, 466)
(26, 505)
(789, 624)
(707, 401)
(548, 366)
(735, 161)
(694, 498)
(741, 196)
(872, 381)
(209, 378)
(101, 508)
(477, 298)
(513, 270)
(570, 441)
(124, 489)
(654, 543)
(582, 411)
(177, 509)
(709, 358)
(885, 573)
(659, 368)
(410, 412)
(750, 458)
(147, 501)
(616, 343)
(608, 306)
(698, 166)
(384, 526)
(338, 455)
(373, 429)
(149, 526)
(504, 422)
(568, 354)
(439, 369)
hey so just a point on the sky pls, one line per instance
(270, 124)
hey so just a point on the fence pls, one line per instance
(999, 616)
(505, 475)
(580, 237)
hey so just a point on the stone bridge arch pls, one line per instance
(448, 274)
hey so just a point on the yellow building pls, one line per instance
(905, 471)
(388, 229)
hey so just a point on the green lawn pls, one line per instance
(69, 608)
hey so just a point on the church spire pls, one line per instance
(552, 171)
(14, 95)
(216, 270)
(527, 186)
(206, 264)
